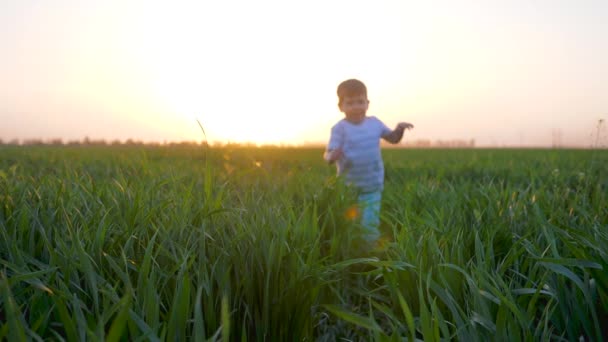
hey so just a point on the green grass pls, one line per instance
(186, 243)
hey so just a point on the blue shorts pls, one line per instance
(369, 204)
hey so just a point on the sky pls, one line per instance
(504, 73)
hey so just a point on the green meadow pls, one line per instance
(255, 244)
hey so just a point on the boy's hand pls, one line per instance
(396, 135)
(333, 155)
(404, 125)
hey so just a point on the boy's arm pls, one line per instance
(333, 155)
(396, 135)
(334, 149)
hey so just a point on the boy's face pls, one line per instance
(354, 107)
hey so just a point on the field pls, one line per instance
(194, 243)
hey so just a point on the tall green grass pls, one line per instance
(253, 244)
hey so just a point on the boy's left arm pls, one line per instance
(396, 135)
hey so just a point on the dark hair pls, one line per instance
(350, 87)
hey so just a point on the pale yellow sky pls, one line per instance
(500, 72)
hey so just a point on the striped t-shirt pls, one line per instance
(361, 164)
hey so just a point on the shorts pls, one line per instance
(369, 204)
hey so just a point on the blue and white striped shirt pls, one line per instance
(361, 164)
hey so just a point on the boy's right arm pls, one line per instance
(333, 155)
(334, 149)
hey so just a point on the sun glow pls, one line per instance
(265, 71)
(245, 79)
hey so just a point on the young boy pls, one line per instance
(355, 145)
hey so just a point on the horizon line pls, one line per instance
(415, 144)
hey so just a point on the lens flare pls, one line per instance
(352, 213)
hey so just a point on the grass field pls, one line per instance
(187, 243)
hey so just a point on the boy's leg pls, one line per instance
(370, 215)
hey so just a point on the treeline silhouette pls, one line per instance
(95, 142)
(420, 143)
(427, 143)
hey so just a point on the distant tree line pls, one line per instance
(93, 142)
(427, 143)
(420, 143)
(128, 142)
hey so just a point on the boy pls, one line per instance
(355, 145)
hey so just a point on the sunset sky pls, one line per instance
(512, 72)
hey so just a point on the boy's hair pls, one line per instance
(350, 87)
